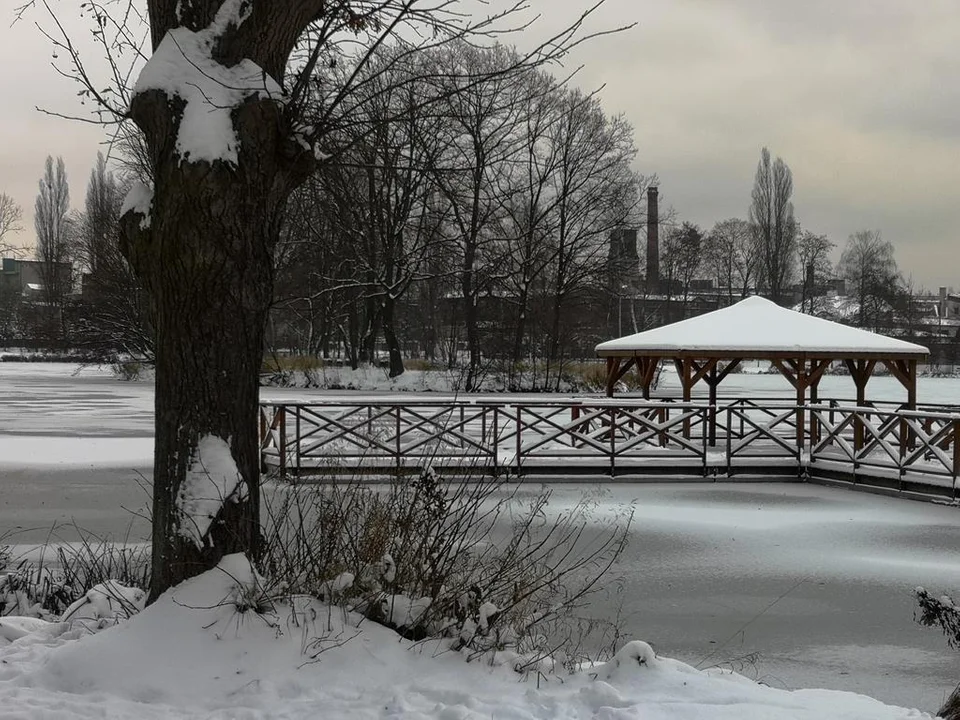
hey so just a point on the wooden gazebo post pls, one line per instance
(860, 371)
(906, 372)
(801, 385)
(646, 369)
(685, 371)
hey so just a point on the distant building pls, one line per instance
(24, 278)
(948, 304)
(623, 262)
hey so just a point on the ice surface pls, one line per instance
(89, 452)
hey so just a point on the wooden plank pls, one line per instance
(612, 364)
(817, 370)
(624, 369)
(898, 368)
(785, 371)
(728, 369)
(702, 370)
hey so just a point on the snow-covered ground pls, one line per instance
(195, 653)
(817, 581)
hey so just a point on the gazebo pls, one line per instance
(800, 346)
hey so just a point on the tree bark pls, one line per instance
(388, 325)
(204, 256)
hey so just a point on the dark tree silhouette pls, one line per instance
(771, 215)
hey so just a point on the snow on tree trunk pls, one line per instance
(212, 480)
(225, 157)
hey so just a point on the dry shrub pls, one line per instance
(951, 708)
(944, 613)
(487, 564)
(64, 572)
(291, 363)
(941, 612)
(421, 365)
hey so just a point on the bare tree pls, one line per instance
(528, 219)
(730, 254)
(596, 192)
(472, 176)
(113, 313)
(813, 254)
(221, 107)
(11, 216)
(380, 194)
(771, 215)
(53, 250)
(870, 269)
(681, 257)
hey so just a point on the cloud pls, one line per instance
(858, 96)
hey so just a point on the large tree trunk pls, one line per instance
(471, 316)
(202, 244)
(206, 263)
(388, 325)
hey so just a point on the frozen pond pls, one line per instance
(814, 580)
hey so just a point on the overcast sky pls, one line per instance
(861, 98)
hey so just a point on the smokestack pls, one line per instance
(653, 241)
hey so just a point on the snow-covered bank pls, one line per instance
(198, 652)
(704, 559)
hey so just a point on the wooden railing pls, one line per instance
(615, 438)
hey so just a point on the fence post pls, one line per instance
(833, 419)
(730, 440)
(956, 454)
(517, 458)
(574, 416)
(396, 409)
(296, 440)
(710, 413)
(282, 412)
(613, 441)
(496, 441)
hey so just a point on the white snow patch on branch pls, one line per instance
(212, 480)
(182, 66)
(140, 200)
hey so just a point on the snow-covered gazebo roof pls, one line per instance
(800, 346)
(759, 328)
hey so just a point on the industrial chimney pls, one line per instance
(653, 241)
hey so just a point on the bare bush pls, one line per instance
(488, 565)
(942, 612)
(63, 573)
